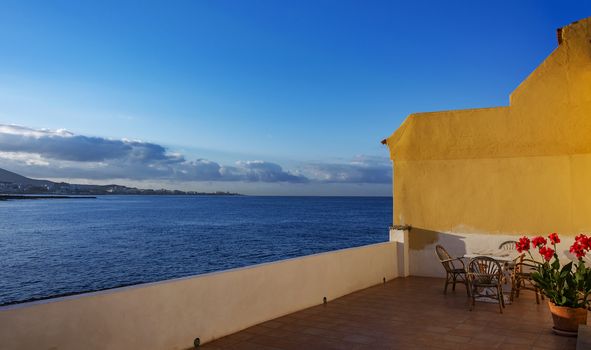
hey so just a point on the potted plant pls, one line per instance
(566, 287)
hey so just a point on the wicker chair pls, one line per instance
(508, 245)
(521, 278)
(454, 268)
(485, 273)
(509, 266)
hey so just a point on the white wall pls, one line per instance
(169, 315)
(423, 261)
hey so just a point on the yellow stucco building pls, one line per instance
(462, 176)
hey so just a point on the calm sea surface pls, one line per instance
(54, 247)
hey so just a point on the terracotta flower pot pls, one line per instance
(566, 318)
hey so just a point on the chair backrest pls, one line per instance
(525, 266)
(508, 245)
(444, 257)
(442, 254)
(484, 269)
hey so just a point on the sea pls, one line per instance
(55, 247)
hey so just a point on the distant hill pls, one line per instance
(9, 176)
(13, 183)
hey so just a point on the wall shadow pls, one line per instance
(423, 259)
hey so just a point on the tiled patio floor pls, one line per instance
(406, 313)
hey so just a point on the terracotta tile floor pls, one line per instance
(406, 313)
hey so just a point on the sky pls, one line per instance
(256, 97)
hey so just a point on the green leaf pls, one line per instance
(567, 268)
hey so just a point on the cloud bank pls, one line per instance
(63, 154)
(362, 169)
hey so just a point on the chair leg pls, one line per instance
(500, 297)
(467, 287)
(473, 301)
(446, 282)
(453, 287)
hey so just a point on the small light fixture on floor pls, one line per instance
(197, 343)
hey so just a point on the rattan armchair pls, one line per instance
(485, 276)
(521, 278)
(509, 266)
(454, 268)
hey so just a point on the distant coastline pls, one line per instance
(15, 184)
(7, 197)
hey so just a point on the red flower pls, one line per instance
(554, 238)
(522, 245)
(547, 253)
(583, 240)
(538, 242)
(578, 249)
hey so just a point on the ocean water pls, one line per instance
(57, 247)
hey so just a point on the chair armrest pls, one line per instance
(530, 261)
(526, 265)
(455, 259)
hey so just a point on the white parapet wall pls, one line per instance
(171, 314)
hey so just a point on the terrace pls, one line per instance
(467, 179)
(405, 313)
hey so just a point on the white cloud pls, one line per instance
(362, 169)
(59, 153)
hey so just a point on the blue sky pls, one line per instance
(259, 97)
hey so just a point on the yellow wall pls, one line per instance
(524, 168)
